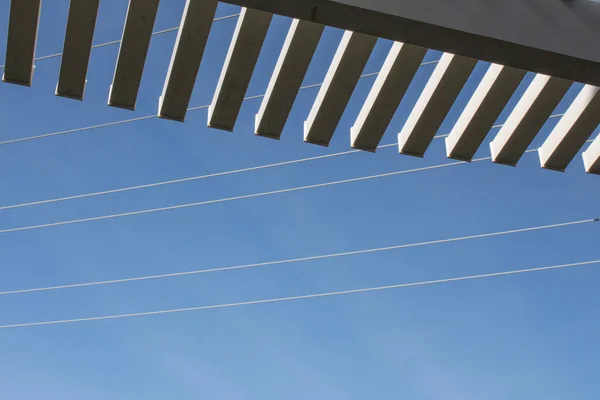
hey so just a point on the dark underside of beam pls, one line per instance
(433, 36)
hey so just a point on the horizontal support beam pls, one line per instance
(434, 103)
(483, 109)
(22, 39)
(591, 157)
(246, 44)
(344, 72)
(187, 55)
(528, 117)
(135, 41)
(557, 38)
(572, 131)
(398, 71)
(295, 57)
(77, 48)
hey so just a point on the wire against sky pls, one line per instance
(113, 42)
(301, 259)
(205, 176)
(228, 199)
(303, 297)
(188, 179)
(242, 197)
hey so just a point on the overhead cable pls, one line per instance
(187, 179)
(242, 197)
(301, 297)
(234, 198)
(199, 177)
(297, 260)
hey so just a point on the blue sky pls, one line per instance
(520, 337)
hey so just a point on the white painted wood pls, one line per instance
(385, 96)
(295, 57)
(528, 117)
(22, 39)
(572, 131)
(344, 72)
(187, 55)
(246, 44)
(591, 157)
(491, 96)
(135, 41)
(434, 103)
(79, 35)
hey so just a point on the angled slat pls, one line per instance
(246, 44)
(434, 103)
(531, 112)
(572, 131)
(341, 79)
(186, 58)
(482, 110)
(77, 48)
(294, 60)
(132, 53)
(385, 96)
(591, 157)
(22, 39)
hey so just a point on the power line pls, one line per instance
(87, 128)
(228, 199)
(297, 260)
(242, 197)
(113, 42)
(302, 297)
(188, 179)
(248, 196)
(146, 117)
(204, 176)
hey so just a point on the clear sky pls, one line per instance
(522, 337)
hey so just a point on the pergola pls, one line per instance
(556, 39)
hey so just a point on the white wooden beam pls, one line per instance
(528, 117)
(135, 41)
(344, 72)
(79, 35)
(385, 96)
(22, 38)
(591, 157)
(295, 57)
(187, 56)
(572, 131)
(245, 47)
(491, 96)
(434, 103)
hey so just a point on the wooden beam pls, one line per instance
(77, 48)
(341, 79)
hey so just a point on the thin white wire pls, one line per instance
(247, 196)
(205, 176)
(188, 179)
(126, 121)
(243, 197)
(113, 42)
(302, 297)
(228, 199)
(298, 260)
(87, 128)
